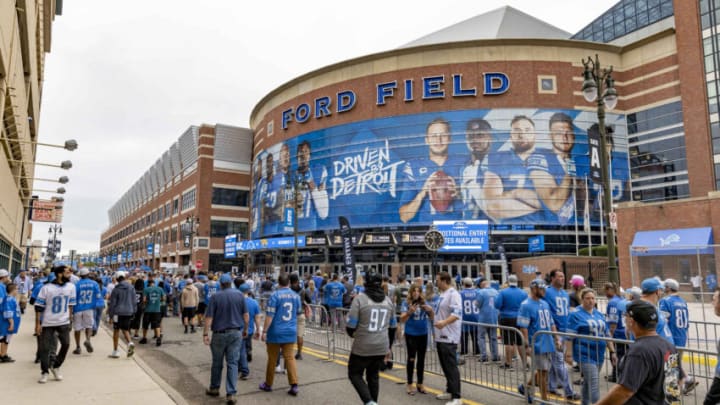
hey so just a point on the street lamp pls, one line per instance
(65, 164)
(599, 81)
(54, 231)
(69, 145)
(61, 179)
(191, 225)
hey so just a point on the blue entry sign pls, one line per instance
(230, 242)
(286, 242)
(536, 243)
(150, 249)
(464, 236)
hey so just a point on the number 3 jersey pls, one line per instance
(371, 321)
(57, 300)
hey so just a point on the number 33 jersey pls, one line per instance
(57, 300)
(371, 320)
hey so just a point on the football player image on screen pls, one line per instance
(312, 198)
(272, 209)
(553, 171)
(258, 196)
(508, 188)
(430, 190)
(478, 135)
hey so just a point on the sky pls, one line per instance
(125, 79)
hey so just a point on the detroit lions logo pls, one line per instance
(672, 238)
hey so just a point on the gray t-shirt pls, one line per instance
(201, 291)
(371, 321)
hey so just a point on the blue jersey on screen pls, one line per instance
(87, 292)
(591, 324)
(514, 174)
(417, 323)
(312, 210)
(548, 161)
(470, 308)
(676, 311)
(284, 307)
(614, 316)
(253, 309)
(535, 316)
(416, 173)
(559, 303)
(509, 301)
(334, 293)
(486, 303)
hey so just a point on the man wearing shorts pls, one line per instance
(189, 300)
(153, 297)
(121, 309)
(535, 316)
(508, 303)
(87, 292)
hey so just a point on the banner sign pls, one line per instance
(378, 239)
(410, 238)
(463, 236)
(230, 242)
(594, 148)
(287, 242)
(46, 211)
(372, 171)
(348, 256)
(315, 241)
(536, 243)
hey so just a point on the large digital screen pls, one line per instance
(506, 166)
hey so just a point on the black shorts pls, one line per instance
(510, 337)
(137, 319)
(123, 322)
(152, 319)
(201, 308)
(188, 312)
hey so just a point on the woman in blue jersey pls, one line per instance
(588, 353)
(415, 312)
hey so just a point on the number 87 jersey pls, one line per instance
(371, 321)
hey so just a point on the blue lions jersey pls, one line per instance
(334, 294)
(535, 316)
(614, 316)
(548, 161)
(486, 303)
(417, 323)
(591, 324)
(416, 173)
(676, 312)
(284, 306)
(559, 303)
(87, 292)
(514, 174)
(471, 310)
(509, 301)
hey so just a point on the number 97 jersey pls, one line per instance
(371, 321)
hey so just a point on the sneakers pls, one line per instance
(444, 396)
(689, 386)
(56, 373)
(244, 376)
(158, 341)
(231, 399)
(6, 359)
(212, 392)
(88, 346)
(521, 390)
(265, 387)
(456, 401)
(143, 341)
(136, 337)
(131, 349)
(77, 350)
(573, 397)
(249, 357)
(280, 370)
(114, 355)
(298, 356)
(43, 378)
(507, 367)
(294, 390)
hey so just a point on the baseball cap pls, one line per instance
(539, 283)
(244, 287)
(643, 312)
(650, 285)
(4, 273)
(120, 274)
(83, 272)
(577, 280)
(225, 279)
(512, 280)
(672, 284)
(634, 292)
(467, 282)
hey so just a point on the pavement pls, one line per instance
(88, 378)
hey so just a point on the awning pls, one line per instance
(688, 241)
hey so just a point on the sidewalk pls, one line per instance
(88, 378)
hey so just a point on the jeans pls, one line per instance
(48, 345)
(558, 373)
(447, 354)
(491, 333)
(469, 334)
(225, 346)
(416, 349)
(591, 383)
(370, 367)
(243, 363)
(98, 317)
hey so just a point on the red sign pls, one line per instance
(47, 211)
(198, 264)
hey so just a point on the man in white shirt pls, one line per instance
(53, 311)
(446, 330)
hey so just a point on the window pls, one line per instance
(219, 229)
(229, 196)
(188, 200)
(176, 206)
(167, 210)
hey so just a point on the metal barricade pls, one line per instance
(703, 335)
(315, 330)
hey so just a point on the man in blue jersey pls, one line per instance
(559, 302)
(253, 329)
(508, 303)
(4, 281)
(553, 172)
(652, 290)
(333, 297)
(508, 187)
(88, 292)
(471, 314)
(675, 311)
(535, 316)
(616, 323)
(478, 135)
(488, 315)
(312, 200)
(437, 174)
(280, 333)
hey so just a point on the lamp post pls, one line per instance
(54, 231)
(599, 81)
(191, 224)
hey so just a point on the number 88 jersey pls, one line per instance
(371, 321)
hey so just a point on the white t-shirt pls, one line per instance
(57, 301)
(450, 303)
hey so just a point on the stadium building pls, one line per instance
(483, 124)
